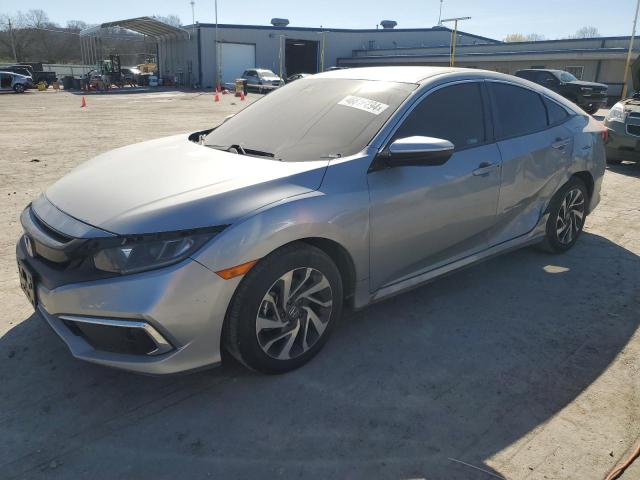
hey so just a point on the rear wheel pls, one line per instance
(284, 309)
(18, 88)
(567, 214)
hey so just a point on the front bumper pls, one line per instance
(180, 308)
(622, 145)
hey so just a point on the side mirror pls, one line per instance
(419, 151)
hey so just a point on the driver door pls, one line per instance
(423, 217)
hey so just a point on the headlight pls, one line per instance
(617, 113)
(137, 254)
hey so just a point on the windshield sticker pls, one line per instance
(365, 104)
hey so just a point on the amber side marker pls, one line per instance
(229, 273)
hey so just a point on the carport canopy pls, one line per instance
(145, 25)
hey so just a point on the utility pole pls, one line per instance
(454, 37)
(280, 55)
(323, 32)
(440, 16)
(218, 51)
(193, 13)
(13, 42)
(628, 64)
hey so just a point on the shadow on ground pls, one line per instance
(630, 169)
(461, 368)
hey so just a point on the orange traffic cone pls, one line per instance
(84, 103)
(241, 96)
(217, 97)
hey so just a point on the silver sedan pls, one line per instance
(338, 189)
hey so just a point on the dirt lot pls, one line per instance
(526, 366)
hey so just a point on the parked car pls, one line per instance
(262, 80)
(297, 76)
(589, 96)
(13, 81)
(27, 70)
(623, 125)
(252, 235)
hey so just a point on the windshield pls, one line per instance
(312, 119)
(567, 77)
(266, 73)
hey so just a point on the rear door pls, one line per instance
(536, 149)
(423, 217)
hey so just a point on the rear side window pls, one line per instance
(526, 75)
(556, 113)
(519, 111)
(452, 113)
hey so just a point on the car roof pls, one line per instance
(400, 74)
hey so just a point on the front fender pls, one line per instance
(339, 211)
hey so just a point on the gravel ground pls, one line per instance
(525, 366)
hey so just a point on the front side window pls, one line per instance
(452, 113)
(519, 111)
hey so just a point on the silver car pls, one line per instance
(14, 81)
(338, 189)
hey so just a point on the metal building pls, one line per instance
(592, 59)
(188, 55)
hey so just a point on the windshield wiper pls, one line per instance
(240, 150)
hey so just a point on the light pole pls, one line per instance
(440, 16)
(454, 37)
(628, 64)
(193, 13)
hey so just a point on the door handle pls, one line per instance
(560, 143)
(484, 169)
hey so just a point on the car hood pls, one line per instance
(582, 83)
(174, 184)
(270, 79)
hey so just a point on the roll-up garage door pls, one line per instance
(236, 58)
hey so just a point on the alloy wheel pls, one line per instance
(294, 313)
(570, 216)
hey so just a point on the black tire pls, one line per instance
(240, 336)
(553, 241)
(18, 88)
(591, 109)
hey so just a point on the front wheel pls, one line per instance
(284, 309)
(567, 214)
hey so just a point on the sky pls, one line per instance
(490, 18)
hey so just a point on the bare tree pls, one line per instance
(519, 37)
(172, 19)
(76, 25)
(586, 32)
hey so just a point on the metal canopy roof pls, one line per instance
(144, 25)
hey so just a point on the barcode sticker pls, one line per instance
(364, 104)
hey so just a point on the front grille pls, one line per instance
(633, 130)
